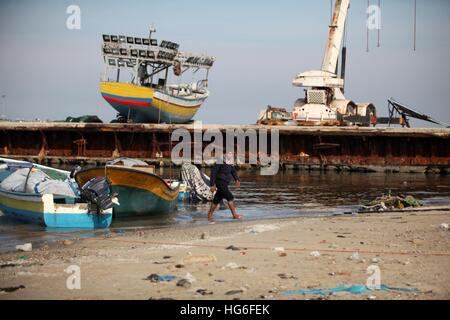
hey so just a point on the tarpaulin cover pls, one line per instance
(37, 182)
(128, 162)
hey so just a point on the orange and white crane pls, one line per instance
(324, 102)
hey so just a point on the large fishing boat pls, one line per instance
(146, 96)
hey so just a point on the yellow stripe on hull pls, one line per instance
(132, 178)
(126, 90)
(33, 206)
(175, 109)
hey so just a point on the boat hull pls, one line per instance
(139, 202)
(78, 221)
(140, 193)
(42, 210)
(147, 105)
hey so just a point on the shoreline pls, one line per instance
(270, 258)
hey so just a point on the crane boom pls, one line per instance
(330, 60)
(324, 101)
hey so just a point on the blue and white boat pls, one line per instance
(53, 210)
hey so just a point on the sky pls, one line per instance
(50, 72)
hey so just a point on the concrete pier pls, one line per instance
(323, 148)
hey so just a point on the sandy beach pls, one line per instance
(267, 259)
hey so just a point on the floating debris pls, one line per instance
(231, 265)
(389, 202)
(11, 289)
(315, 254)
(354, 256)
(232, 292)
(67, 242)
(354, 289)
(375, 260)
(204, 292)
(8, 265)
(287, 276)
(157, 278)
(24, 247)
(259, 228)
(201, 258)
(185, 283)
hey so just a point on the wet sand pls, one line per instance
(411, 250)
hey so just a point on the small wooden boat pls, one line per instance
(141, 192)
(45, 209)
(51, 210)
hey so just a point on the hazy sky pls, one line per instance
(50, 72)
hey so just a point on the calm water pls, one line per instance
(288, 194)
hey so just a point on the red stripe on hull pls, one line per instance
(128, 102)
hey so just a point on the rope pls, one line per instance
(185, 244)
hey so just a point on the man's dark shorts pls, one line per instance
(222, 193)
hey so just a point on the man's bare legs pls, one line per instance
(212, 208)
(232, 207)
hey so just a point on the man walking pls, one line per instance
(220, 179)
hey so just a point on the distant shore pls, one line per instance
(265, 260)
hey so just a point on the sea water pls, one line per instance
(287, 194)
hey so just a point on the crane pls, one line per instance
(324, 102)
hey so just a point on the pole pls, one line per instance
(367, 33)
(415, 24)
(343, 62)
(3, 115)
(331, 11)
(379, 27)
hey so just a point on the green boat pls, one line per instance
(142, 193)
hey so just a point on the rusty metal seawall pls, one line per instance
(341, 148)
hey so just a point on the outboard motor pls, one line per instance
(96, 193)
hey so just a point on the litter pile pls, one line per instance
(389, 202)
